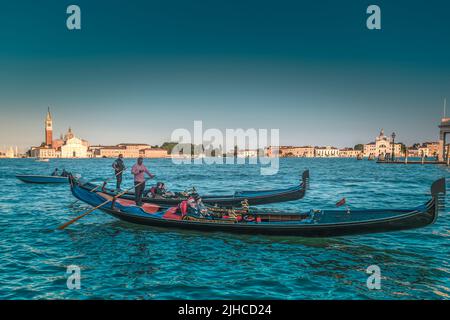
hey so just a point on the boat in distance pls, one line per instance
(314, 223)
(42, 179)
(253, 198)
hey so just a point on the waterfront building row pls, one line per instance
(311, 152)
(70, 146)
(380, 148)
(128, 150)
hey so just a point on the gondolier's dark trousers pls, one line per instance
(138, 191)
(119, 180)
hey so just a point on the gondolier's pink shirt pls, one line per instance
(138, 171)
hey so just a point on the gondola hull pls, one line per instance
(326, 230)
(42, 179)
(324, 223)
(253, 197)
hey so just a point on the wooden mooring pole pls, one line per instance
(447, 158)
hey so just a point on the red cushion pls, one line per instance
(172, 214)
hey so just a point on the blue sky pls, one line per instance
(140, 69)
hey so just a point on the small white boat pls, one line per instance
(42, 160)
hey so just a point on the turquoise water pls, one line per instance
(119, 260)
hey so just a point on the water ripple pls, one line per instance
(119, 260)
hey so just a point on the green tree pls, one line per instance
(359, 147)
(168, 146)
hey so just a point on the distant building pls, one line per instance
(423, 151)
(68, 146)
(10, 153)
(74, 148)
(44, 152)
(381, 147)
(413, 152)
(290, 151)
(48, 130)
(128, 150)
(326, 152)
(349, 153)
(110, 152)
(134, 146)
(426, 149)
(58, 143)
(154, 153)
(272, 151)
(432, 148)
(247, 153)
(69, 134)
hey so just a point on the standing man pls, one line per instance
(119, 167)
(139, 181)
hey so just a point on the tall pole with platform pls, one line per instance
(444, 128)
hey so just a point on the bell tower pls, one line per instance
(48, 129)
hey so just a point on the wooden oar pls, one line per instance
(65, 225)
(104, 183)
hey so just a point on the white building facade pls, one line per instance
(74, 148)
(381, 147)
(327, 152)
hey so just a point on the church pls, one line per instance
(381, 147)
(67, 146)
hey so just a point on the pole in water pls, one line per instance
(448, 158)
(445, 107)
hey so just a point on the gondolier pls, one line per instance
(138, 171)
(119, 167)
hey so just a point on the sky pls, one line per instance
(137, 70)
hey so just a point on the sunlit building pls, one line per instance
(128, 150)
(74, 148)
(247, 153)
(154, 153)
(68, 146)
(349, 153)
(326, 152)
(426, 149)
(290, 151)
(44, 152)
(382, 146)
(432, 148)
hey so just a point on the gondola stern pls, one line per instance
(438, 190)
(305, 179)
(438, 187)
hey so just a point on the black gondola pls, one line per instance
(253, 197)
(315, 223)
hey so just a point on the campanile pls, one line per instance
(48, 129)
